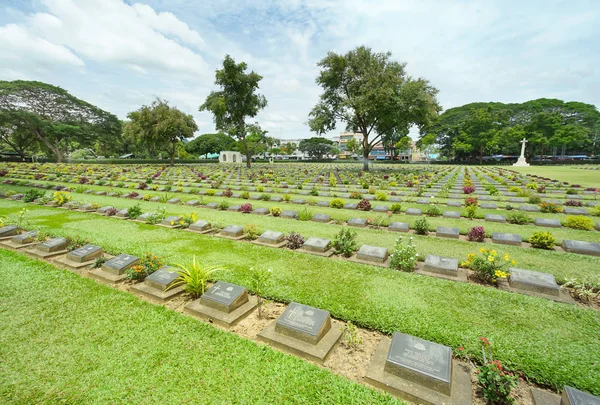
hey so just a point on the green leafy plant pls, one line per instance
(294, 240)
(251, 232)
(345, 243)
(421, 226)
(542, 240)
(194, 277)
(305, 214)
(156, 216)
(433, 211)
(259, 280)
(405, 256)
(33, 194)
(579, 222)
(583, 291)
(275, 211)
(164, 198)
(134, 211)
(496, 382)
(471, 211)
(223, 205)
(396, 208)
(336, 203)
(99, 261)
(352, 337)
(381, 196)
(519, 218)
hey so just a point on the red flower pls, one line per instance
(485, 341)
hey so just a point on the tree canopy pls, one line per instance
(210, 143)
(160, 126)
(316, 147)
(477, 129)
(372, 95)
(235, 102)
(53, 117)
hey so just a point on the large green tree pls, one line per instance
(548, 124)
(235, 102)
(210, 143)
(316, 147)
(373, 95)
(161, 127)
(53, 116)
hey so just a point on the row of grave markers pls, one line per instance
(406, 366)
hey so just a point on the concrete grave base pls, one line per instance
(563, 295)
(169, 226)
(227, 320)
(354, 259)
(155, 294)
(8, 244)
(317, 353)
(200, 232)
(327, 253)
(376, 376)
(33, 252)
(105, 276)
(220, 235)
(273, 245)
(540, 397)
(462, 275)
(63, 261)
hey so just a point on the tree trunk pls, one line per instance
(366, 151)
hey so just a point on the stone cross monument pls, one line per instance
(522, 161)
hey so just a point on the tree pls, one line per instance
(288, 148)
(235, 102)
(372, 95)
(162, 126)
(316, 147)
(354, 146)
(17, 138)
(53, 116)
(255, 142)
(210, 143)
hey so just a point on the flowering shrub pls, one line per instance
(146, 266)
(188, 219)
(550, 207)
(61, 197)
(496, 382)
(142, 186)
(471, 201)
(573, 203)
(468, 189)
(405, 256)
(476, 234)
(227, 193)
(112, 211)
(363, 205)
(542, 240)
(294, 240)
(246, 208)
(275, 211)
(83, 180)
(488, 266)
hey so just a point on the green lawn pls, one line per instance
(572, 174)
(552, 343)
(69, 340)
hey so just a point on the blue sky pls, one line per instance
(119, 54)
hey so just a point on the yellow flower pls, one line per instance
(172, 223)
(506, 257)
(491, 259)
(494, 253)
(501, 274)
(514, 262)
(482, 250)
(471, 256)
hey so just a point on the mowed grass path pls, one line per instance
(69, 340)
(554, 344)
(572, 174)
